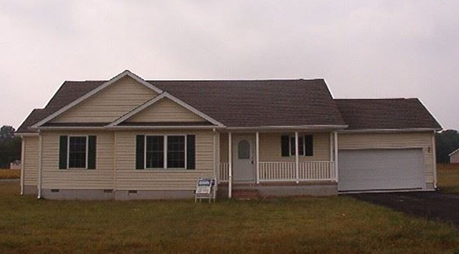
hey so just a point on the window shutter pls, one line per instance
(309, 143)
(140, 152)
(285, 145)
(92, 140)
(63, 152)
(190, 151)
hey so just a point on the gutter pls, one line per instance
(388, 130)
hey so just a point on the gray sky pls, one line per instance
(363, 49)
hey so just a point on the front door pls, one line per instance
(243, 158)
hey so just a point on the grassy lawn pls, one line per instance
(10, 173)
(297, 225)
(448, 177)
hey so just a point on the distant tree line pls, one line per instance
(10, 146)
(447, 142)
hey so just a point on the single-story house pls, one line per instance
(15, 164)
(454, 156)
(130, 138)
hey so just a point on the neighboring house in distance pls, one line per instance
(130, 138)
(454, 157)
(15, 164)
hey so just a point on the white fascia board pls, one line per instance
(96, 90)
(290, 127)
(158, 98)
(387, 130)
(162, 127)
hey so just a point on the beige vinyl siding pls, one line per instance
(165, 110)
(270, 147)
(129, 178)
(393, 141)
(30, 162)
(99, 178)
(109, 104)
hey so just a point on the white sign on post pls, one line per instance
(204, 189)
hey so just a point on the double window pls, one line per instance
(165, 155)
(305, 145)
(77, 152)
(165, 151)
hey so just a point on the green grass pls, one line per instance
(448, 177)
(10, 173)
(297, 225)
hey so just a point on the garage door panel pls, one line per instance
(383, 169)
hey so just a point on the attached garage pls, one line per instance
(381, 169)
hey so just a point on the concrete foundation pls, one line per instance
(30, 190)
(61, 194)
(284, 190)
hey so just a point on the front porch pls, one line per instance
(260, 161)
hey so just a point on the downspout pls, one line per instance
(40, 163)
(22, 163)
(434, 151)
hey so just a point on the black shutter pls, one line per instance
(309, 143)
(190, 151)
(63, 152)
(92, 152)
(140, 152)
(285, 146)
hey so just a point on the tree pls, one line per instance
(447, 142)
(10, 146)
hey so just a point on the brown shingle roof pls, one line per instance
(242, 103)
(385, 114)
(233, 103)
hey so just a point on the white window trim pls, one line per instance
(290, 145)
(68, 151)
(165, 150)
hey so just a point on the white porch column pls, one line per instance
(257, 155)
(40, 163)
(331, 146)
(434, 159)
(22, 163)
(336, 154)
(297, 163)
(230, 165)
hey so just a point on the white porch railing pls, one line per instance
(307, 171)
(223, 173)
(286, 171)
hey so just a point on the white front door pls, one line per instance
(243, 158)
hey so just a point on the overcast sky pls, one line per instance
(363, 49)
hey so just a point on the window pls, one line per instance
(77, 151)
(305, 145)
(175, 151)
(166, 151)
(300, 145)
(243, 149)
(155, 152)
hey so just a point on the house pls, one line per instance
(454, 156)
(130, 138)
(15, 164)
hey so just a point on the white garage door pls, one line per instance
(364, 170)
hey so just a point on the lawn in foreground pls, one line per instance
(297, 225)
(448, 177)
